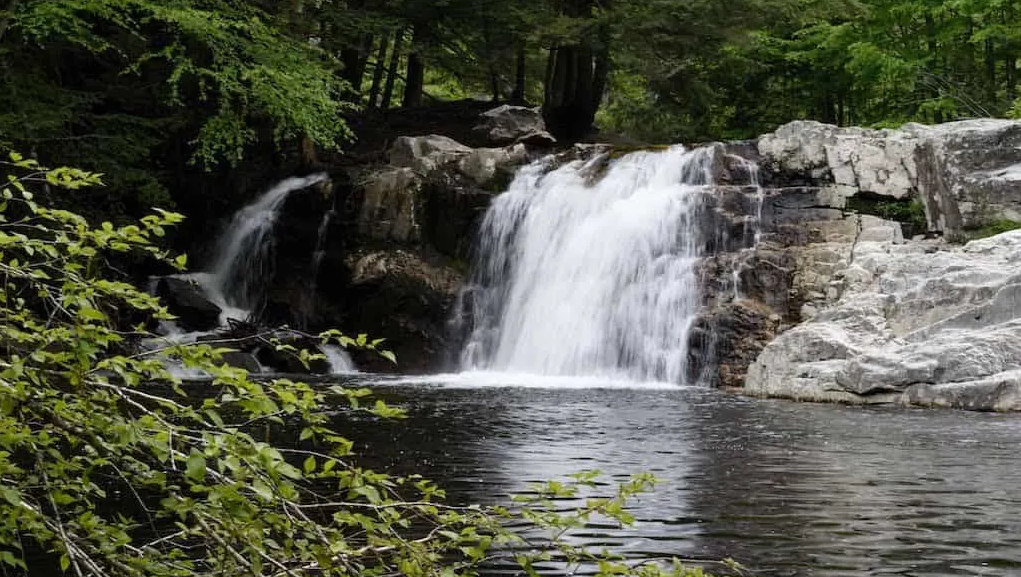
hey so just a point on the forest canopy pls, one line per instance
(147, 89)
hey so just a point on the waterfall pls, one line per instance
(339, 360)
(242, 261)
(242, 265)
(585, 274)
(752, 224)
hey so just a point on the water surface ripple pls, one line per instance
(785, 488)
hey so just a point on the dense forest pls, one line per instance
(148, 91)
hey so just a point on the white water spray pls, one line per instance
(591, 279)
(752, 225)
(236, 278)
(242, 256)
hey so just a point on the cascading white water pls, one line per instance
(236, 277)
(242, 256)
(587, 275)
(339, 360)
(752, 224)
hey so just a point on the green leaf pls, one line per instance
(262, 490)
(195, 467)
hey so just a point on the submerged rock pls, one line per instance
(286, 359)
(243, 360)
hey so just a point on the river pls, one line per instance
(786, 489)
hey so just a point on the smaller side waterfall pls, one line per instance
(752, 224)
(236, 278)
(242, 261)
(339, 360)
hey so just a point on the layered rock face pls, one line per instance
(409, 228)
(805, 297)
(863, 315)
(966, 174)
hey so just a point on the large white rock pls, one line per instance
(395, 195)
(967, 174)
(424, 154)
(920, 323)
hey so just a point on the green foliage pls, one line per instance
(112, 466)
(868, 62)
(228, 54)
(993, 229)
(908, 212)
(140, 88)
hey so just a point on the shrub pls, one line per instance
(993, 229)
(114, 468)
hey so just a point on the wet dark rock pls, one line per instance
(243, 360)
(271, 356)
(404, 297)
(738, 322)
(185, 299)
(728, 338)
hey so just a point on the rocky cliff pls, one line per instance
(837, 267)
(406, 226)
(859, 313)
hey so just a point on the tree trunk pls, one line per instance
(570, 104)
(355, 59)
(414, 84)
(518, 96)
(5, 22)
(391, 74)
(1009, 60)
(576, 78)
(494, 85)
(600, 78)
(547, 81)
(1010, 74)
(377, 72)
(990, 70)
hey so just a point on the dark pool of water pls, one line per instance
(784, 488)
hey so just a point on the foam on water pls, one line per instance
(496, 379)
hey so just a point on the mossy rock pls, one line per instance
(992, 229)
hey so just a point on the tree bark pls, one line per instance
(600, 77)
(547, 81)
(391, 74)
(574, 91)
(5, 22)
(1010, 60)
(377, 72)
(577, 77)
(518, 96)
(990, 70)
(415, 82)
(355, 59)
(494, 85)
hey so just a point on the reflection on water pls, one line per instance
(785, 488)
